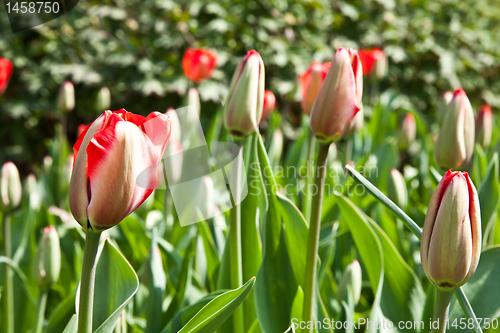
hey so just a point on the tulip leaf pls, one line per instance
(212, 315)
(482, 290)
(61, 315)
(28, 288)
(296, 231)
(115, 284)
(185, 315)
(72, 326)
(211, 254)
(489, 198)
(157, 285)
(273, 300)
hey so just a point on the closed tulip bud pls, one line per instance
(10, 187)
(443, 105)
(339, 99)
(66, 172)
(47, 261)
(103, 100)
(407, 131)
(5, 73)
(66, 99)
(199, 64)
(484, 126)
(310, 84)
(352, 278)
(269, 105)
(243, 108)
(451, 237)
(109, 157)
(396, 188)
(455, 143)
(31, 192)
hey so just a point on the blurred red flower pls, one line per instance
(198, 64)
(5, 72)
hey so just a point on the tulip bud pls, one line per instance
(31, 193)
(374, 62)
(269, 105)
(443, 105)
(484, 126)
(310, 84)
(173, 161)
(352, 278)
(47, 261)
(5, 73)
(332, 154)
(407, 131)
(66, 100)
(243, 108)
(396, 189)
(451, 238)
(339, 99)
(66, 172)
(198, 64)
(116, 166)
(10, 187)
(455, 143)
(103, 100)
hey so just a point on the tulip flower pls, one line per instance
(357, 122)
(451, 238)
(103, 100)
(310, 84)
(455, 143)
(269, 105)
(66, 99)
(339, 99)
(407, 131)
(10, 187)
(109, 156)
(198, 64)
(374, 62)
(47, 260)
(5, 73)
(396, 188)
(443, 105)
(80, 129)
(243, 108)
(484, 126)
(352, 278)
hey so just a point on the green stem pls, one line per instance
(306, 204)
(313, 239)
(40, 310)
(441, 310)
(8, 288)
(235, 238)
(88, 281)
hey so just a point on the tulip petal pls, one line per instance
(476, 232)
(78, 193)
(116, 156)
(158, 128)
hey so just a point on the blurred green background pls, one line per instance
(135, 48)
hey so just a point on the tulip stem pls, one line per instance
(40, 310)
(87, 283)
(306, 204)
(8, 288)
(235, 236)
(313, 238)
(441, 310)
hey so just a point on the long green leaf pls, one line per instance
(115, 284)
(218, 310)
